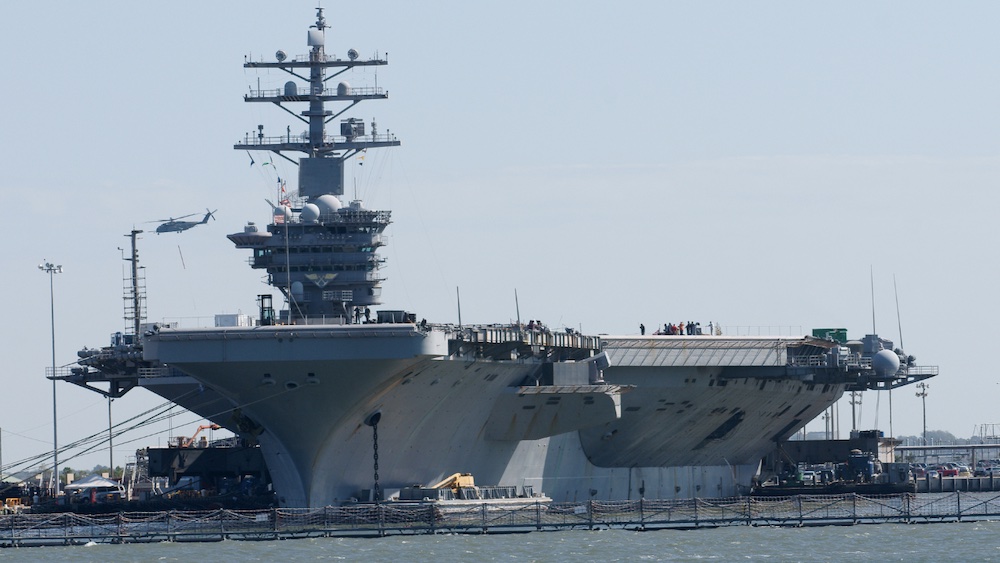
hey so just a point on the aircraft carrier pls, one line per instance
(348, 402)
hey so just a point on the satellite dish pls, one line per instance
(280, 55)
(352, 54)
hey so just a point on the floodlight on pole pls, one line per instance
(923, 397)
(52, 270)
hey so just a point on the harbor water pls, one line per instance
(956, 541)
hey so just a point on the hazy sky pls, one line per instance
(744, 163)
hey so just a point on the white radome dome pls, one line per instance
(309, 213)
(885, 363)
(328, 203)
(284, 212)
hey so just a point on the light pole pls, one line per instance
(52, 270)
(923, 397)
(111, 449)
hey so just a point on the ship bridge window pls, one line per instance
(281, 268)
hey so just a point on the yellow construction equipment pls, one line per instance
(456, 481)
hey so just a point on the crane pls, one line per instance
(183, 442)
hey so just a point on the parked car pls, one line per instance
(947, 470)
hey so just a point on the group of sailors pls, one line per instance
(690, 328)
(358, 311)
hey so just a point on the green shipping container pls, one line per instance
(838, 334)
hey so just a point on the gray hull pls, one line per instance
(306, 392)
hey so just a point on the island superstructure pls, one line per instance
(348, 402)
(323, 254)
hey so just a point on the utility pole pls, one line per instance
(855, 402)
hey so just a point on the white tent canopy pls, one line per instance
(91, 482)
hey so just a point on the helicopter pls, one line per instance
(175, 225)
